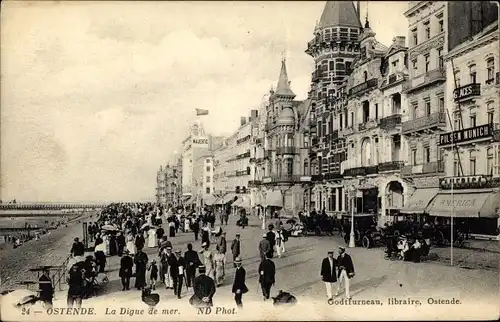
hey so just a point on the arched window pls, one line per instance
(306, 168)
(366, 152)
(248, 170)
(489, 161)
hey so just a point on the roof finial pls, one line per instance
(283, 56)
(367, 23)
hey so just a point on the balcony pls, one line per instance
(430, 168)
(332, 176)
(283, 178)
(433, 120)
(429, 78)
(390, 122)
(254, 183)
(346, 131)
(363, 87)
(286, 150)
(390, 166)
(361, 171)
(467, 92)
(370, 124)
(316, 177)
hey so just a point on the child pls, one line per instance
(153, 275)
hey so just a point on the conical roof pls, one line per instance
(283, 87)
(339, 13)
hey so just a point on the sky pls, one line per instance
(96, 95)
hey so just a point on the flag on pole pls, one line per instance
(200, 111)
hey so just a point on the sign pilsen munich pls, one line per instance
(469, 134)
(466, 182)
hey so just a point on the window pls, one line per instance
(414, 66)
(490, 117)
(352, 119)
(415, 36)
(413, 156)
(472, 74)
(457, 80)
(376, 111)
(472, 164)
(489, 161)
(332, 65)
(456, 165)
(207, 161)
(208, 168)
(365, 75)
(441, 25)
(427, 27)
(306, 168)
(457, 122)
(427, 107)
(414, 111)
(490, 67)
(427, 154)
(207, 190)
(472, 121)
(440, 57)
(207, 179)
(441, 104)
(427, 63)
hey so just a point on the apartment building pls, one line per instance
(161, 197)
(233, 170)
(203, 180)
(471, 146)
(426, 117)
(168, 180)
(334, 48)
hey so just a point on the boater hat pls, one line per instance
(237, 260)
(204, 244)
(202, 269)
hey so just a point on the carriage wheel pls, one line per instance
(367, 242)
(357, 236)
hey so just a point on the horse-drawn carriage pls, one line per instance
(366, 233)
(317, 224)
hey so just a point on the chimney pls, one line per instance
(400, 41)
(243, 120)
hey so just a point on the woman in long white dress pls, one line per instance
(106, 243)
(152, 238)
(208, 261)
(130, 244)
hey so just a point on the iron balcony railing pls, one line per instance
(286, 150)
(426, 79)
(428, 168)
(390, 166)
(363, 87)
(254, 183)
(361, 171)
(390, 122)
(282, 179)
(426, 122)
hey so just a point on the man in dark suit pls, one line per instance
(126, 266)
(329, 273)
(46, 289)
(267, 272)
(204, 290)
(78, 249)
(239, 286)
(346, 271)
(271, 236)
(179, 274)
(192, 261)
(264, 248)
(236, 248)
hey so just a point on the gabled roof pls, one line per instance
(339, 13)
(283, 88)
(395, 48)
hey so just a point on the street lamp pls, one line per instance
(352, 242)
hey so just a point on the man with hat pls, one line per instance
(169, 267)
(346, 271)
(264, 247)
(192, 261)
(239, 286)
(126, 265)
(222, 243)
(178, 274)
(236, 248)
(78, 249)
(267, 272)
(329, 274)
(46, 288)
(204, 290)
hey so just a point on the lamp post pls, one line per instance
(264, 194)
(352, 242)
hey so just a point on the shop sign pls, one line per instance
(200, 141)
(466, 182)
(469, 134)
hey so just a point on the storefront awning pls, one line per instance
(229, 197)
(274, 198)
(190, 200)
(419, 201)
(465, 205)
(209, 200)
(242, 202)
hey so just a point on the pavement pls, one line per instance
(376, 280)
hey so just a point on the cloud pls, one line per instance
(96, 95)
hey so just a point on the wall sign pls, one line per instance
(466, 182)
(466, 91)
(469, 134)
(200, 141)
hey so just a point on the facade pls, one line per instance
(283, 183)
(376, 151)
(334, 49)
(233, 169)
(203, 175)
(198, 144)
(168, 185)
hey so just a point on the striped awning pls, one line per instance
(209, 200)
(242, 202)
(228, 198)
(274, 198)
